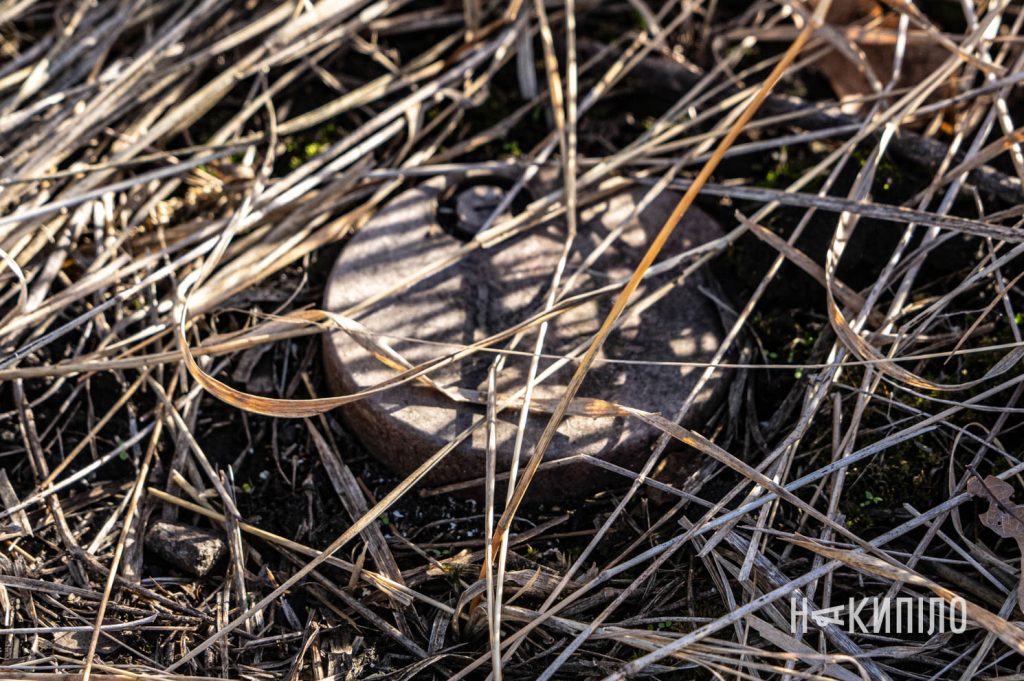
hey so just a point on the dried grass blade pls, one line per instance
(652, 252)
(996, 625)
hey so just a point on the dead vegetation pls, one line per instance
(178, 177)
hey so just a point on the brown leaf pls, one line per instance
(1002, 517)
(864, 39)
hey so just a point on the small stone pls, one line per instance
(190, 549)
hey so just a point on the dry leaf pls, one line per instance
(1002, 517)
(865, 41)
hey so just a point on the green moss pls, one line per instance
(639, 23)
(878, 488)
(888, 175)
(512, 149)
(302, 148)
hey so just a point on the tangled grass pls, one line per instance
(177, 178)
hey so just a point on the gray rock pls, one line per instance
(493, 289)
(188, 548)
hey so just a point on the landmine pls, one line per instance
(494, 288)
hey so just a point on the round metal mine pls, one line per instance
(491, 289)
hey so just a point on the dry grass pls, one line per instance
(178, 177)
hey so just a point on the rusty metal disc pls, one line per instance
(494, 288)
